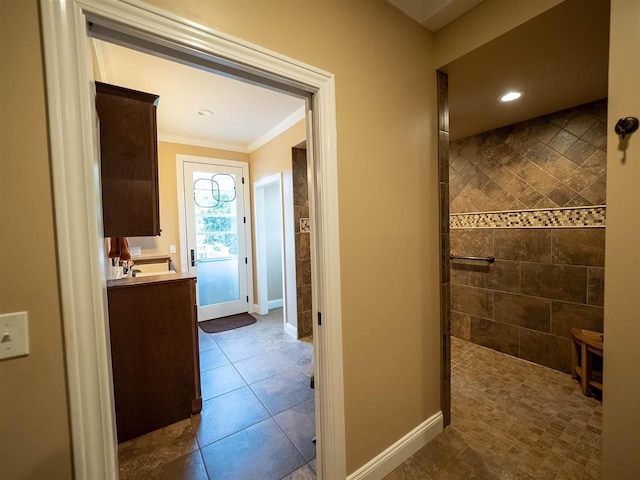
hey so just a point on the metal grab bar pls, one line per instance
(480, 259)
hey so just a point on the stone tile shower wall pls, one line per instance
(542, 283)
(532, 195)
(303, 245)
(554, 161)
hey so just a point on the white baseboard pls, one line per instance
(291, 330)
(383, 464)
(274, 303)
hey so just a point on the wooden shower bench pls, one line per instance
(584, 346)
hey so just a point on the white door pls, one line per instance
(216, 243)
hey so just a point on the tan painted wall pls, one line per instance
(275, 155)
(482, 24)
(387, 175)
(272, 158)
(167, 184)
(621, 420)
(34, 424)
(388, 196)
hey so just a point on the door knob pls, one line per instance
(626, 126)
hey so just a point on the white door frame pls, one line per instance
(182, 218)
(290, 310)
(76, 187)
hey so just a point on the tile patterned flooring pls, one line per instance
(258, 415)
(511, 419)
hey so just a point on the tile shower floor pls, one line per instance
(511, 419)
(258, 415)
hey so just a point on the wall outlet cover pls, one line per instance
(172, 249)
(135, 251)
(305, 225)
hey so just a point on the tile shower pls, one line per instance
(303, 241)
(532, 195)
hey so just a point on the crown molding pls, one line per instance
(202, 142)
(287, 123)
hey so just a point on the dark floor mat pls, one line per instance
(227, 323)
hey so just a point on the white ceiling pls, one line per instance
(434, 14)
(244, 116)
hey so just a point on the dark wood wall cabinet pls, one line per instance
(154, 350)
(129, 161)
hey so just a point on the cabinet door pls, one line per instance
(129, 161)
(153, 355)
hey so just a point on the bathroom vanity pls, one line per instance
(154, 349)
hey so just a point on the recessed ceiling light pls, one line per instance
(510, 96)
(205, 113)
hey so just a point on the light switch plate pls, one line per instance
(172, 249)
(14, 335)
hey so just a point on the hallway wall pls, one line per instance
(549, 271)
(35, 439)
(386, 135)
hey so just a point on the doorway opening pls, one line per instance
(275, 257)
(518, 252)
(254, 376)
(75, 158)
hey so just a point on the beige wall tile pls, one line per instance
(581, 246)
(544, 349)
(523, 311)
(461, 325)
(565, 316)
(498, 336)
(474, 301)
(521, 244)
(595, 295)
(559, 282)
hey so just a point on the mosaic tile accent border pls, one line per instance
(546, 218)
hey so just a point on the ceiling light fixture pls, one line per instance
(205, 113)
(510, 96)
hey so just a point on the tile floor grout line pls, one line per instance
(234, 433)
(271, 343)
(292, 443)
(204, 464)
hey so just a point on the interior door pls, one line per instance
(216, 243)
